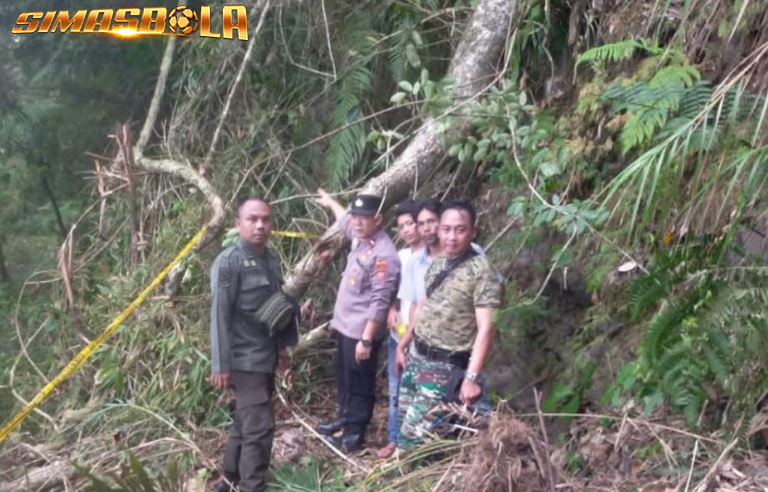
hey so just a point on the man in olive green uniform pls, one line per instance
(244, 355)
(452, 328)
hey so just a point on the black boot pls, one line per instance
(332, 427)
(223, 486)
(352, 441)
(346, 443)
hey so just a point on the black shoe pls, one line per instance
(352, 442)
(331, 427)
(347, 443)
(333, 441)
(223, 487)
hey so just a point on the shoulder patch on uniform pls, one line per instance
(381, 270)
(226, 253)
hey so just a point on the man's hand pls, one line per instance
(221, 380)
(470, 391)
(399, 361)
(307, 312)
(362, 353)
(325, 200)
(325, 255)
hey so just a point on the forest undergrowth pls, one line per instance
(618, 158)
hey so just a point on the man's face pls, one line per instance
(456, 232)
(406, 226)
(428, 223)
(254, 223)
(365, 226)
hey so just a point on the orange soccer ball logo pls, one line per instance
(183, 21)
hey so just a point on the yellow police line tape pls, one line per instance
(294, 234)
(87, 351)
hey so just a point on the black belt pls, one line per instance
(437, 354)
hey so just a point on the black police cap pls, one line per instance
(365, 205)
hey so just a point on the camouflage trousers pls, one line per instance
(422, 388)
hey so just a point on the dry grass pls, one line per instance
(506, 458)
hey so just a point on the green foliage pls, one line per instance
(566, 398)
(703, 329)
(649, 105)
(134, 476)
(677, 123)
(346, 146)
(310, 476)
(619, 51)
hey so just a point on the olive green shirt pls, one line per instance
(447, 320)
(241, 280)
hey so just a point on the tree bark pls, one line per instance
(49, 476)
(473, 68)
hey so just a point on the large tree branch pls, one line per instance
(170, 166)
(157, 97)
(473, 68)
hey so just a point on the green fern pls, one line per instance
(397, 59)
(347, 146)
(675, 75)
(664, 329)
(622, 50)
(645, 293)
(134, 476)
(649, 104)
(709, 337)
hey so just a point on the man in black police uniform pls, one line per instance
(244, 355)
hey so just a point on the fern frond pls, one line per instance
(397, 58)
(645, 293)
(675, 75)
(663, 329)
(346, 147)
(717, 364)
(619, 51)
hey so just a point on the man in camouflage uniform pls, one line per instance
(244, 356)
(452, 327)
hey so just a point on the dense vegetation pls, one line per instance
(619, 156)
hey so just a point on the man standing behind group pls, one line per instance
(244, 355)
(452, 326)
(399, 313)
(365, 293)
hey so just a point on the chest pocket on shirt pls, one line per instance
(254, 290)
(360, 279)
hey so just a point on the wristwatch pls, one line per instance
(472, 376)
(366, 343)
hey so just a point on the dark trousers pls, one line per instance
(356, 384)
(246, 458)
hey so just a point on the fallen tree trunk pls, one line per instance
(473, 68)
(54, 474)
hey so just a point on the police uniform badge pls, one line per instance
(380, 268)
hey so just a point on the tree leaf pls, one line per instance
(412, 56)
(397, 97)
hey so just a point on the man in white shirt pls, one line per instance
(397, 319)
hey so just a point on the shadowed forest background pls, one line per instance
(616, 151)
